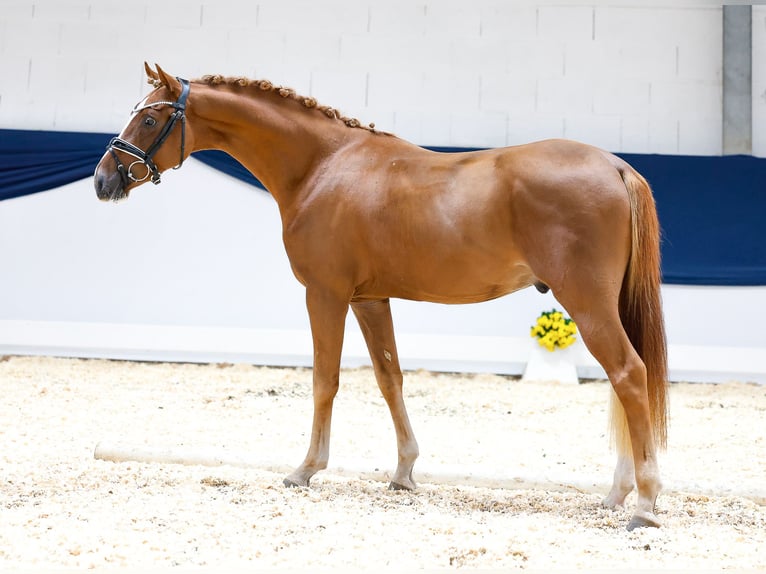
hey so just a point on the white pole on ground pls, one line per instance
(448, 475)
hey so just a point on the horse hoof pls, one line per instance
(643, 522)
(399, 486)
(290, 483)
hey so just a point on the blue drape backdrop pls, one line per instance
(711, 209)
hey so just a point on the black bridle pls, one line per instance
(145, 157)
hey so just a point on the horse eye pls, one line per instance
(150, 121)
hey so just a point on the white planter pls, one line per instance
(546, 366)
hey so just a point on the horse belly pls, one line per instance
(446, 276)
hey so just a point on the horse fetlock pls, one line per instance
(648, 491)
(408, 455)
(616, 498)
(402, 479)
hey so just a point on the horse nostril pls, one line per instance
(100, 183)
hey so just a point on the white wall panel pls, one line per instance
(664, 135)
(171, 14)
(623, 97)
(508, 21)
(540, 58)
(699, 137)
(480, 129)
(330, 18)
(226, 16)
(337, 85)
(634, 134)
(452, 19)
(400, 17)
(759, 81)
(119, 16)
(565, 96)
(644, 60)
(508, 92)
(401, 91)
(600, 131)
(568, 24)
(427, 127)
(524, 128)
(71, 11)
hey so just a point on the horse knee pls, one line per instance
(390, 384)
(325, 391)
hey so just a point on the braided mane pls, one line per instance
(265, 85)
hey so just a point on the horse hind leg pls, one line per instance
(624, 473)
(602, 332)
(374, 318)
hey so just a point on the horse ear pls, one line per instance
(150, 74)
(168, 81)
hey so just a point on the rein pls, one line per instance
(145, 157)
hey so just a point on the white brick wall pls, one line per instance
(759, 81)
(638, 78)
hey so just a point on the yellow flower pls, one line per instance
(553, 330)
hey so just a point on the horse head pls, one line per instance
(154, 140)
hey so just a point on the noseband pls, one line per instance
(145, 157)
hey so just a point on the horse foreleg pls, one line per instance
(327, 314)
(374, 319)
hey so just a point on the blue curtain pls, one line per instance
(32, 161)
(711, 209)
(712, 212)
(222, 161)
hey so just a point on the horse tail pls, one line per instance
(640, 309)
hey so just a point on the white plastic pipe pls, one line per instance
(117, 452)
(454, 475)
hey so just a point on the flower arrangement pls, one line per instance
(552, 330)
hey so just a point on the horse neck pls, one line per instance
(275, 138)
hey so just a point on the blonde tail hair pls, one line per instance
(640, 309)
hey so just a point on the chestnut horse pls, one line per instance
(367, 216)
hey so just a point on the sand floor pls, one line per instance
(510, 474)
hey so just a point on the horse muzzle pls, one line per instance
(109, 186)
